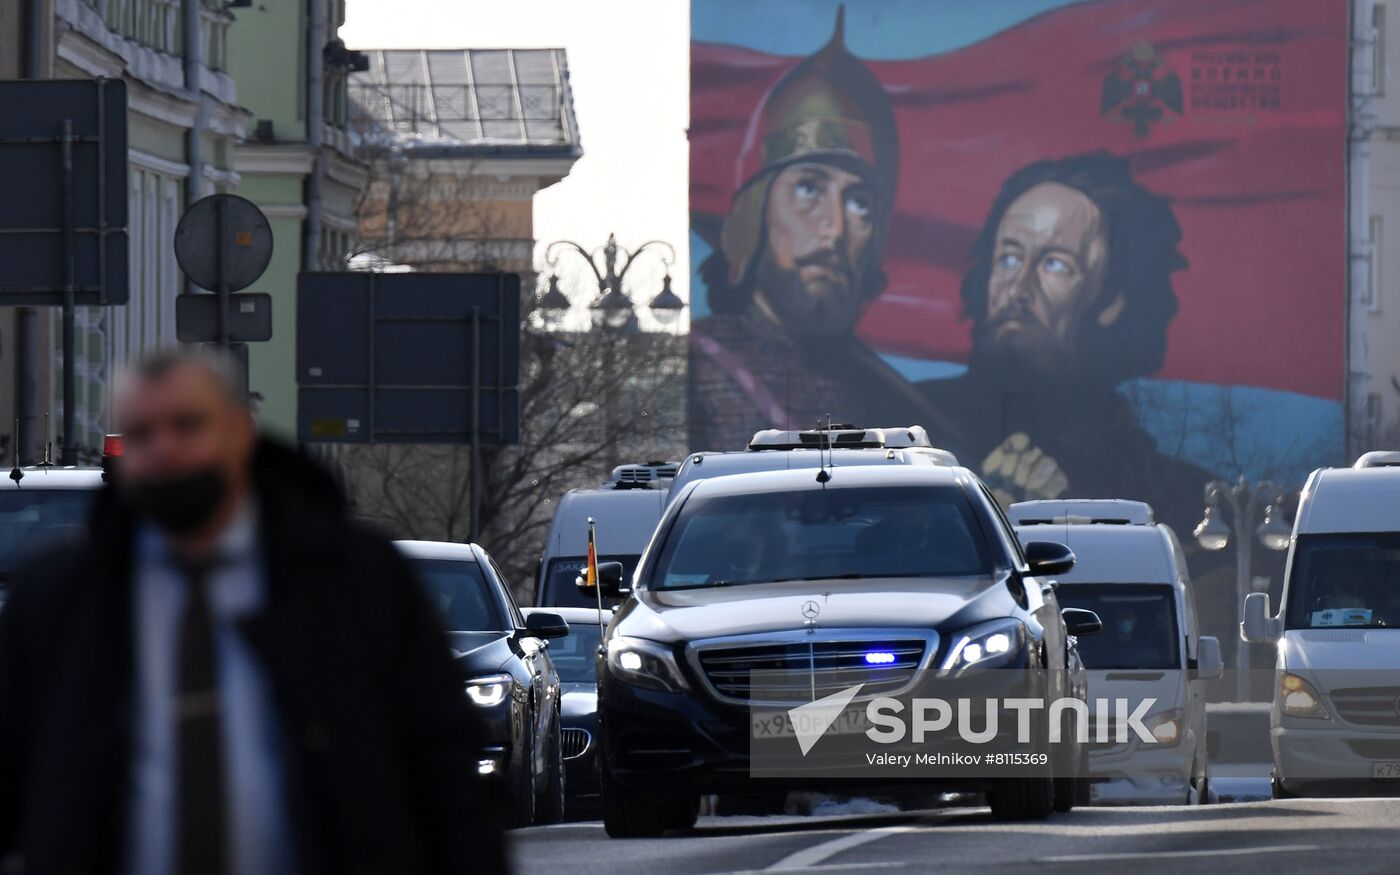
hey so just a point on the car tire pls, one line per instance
(1068, 778)
(1278, 791)
(1022, 798)
(523, 786)
(1083, 792)
(682, 812)
(550, 807)
(630, 817)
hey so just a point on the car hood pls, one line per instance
(578, 700)
(1163, 686)
(480, 652)
(1341, 649)
(923, 603)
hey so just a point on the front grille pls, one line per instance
(1368, 706)
(804, 670)
(575, 742)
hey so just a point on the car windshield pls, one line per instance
(461, 594)
(31, 517)
(1345, 580)
(573, 654)
(1139, 624)
(900, 531)
(559, 590)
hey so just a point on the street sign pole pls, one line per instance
(221, 235)
(476, 426)
(70, 333)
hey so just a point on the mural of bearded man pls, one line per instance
(1070, 295)
(797, 263)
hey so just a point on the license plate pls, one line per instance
(779, 724)
(1388, 769)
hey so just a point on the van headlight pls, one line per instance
(489, 691)
(1167, 728)
(986, 645)
(1298, 698)
(646, 664)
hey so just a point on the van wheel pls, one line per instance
(630, 816)
(1022, 798)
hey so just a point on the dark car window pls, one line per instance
(559, 590)
(1345, 580)
(1139, 624)
(878, 531)
(573, 654)
(462, 595)
(30, 517)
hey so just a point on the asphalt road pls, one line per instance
(1312, 835)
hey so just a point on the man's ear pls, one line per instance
(1109, 315)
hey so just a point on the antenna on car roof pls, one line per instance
(47, 461)
(15, 473)
(823, 451)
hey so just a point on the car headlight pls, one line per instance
(646, 664)
(489, 691)
(1167, 728)
(986, 645)
(1298, 698)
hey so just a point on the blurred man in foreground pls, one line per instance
(227, 675)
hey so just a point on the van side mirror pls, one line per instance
(1078, 621)
(1258, 625)
(1209, 663)
(1047, 557)
(609, 581)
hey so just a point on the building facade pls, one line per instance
(183, 121)
(298, 165)
(1376, 226)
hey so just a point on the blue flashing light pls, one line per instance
(879, 657)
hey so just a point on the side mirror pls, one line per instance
(609, 581)
(1047, 557)
(1078, 621)
(1209, 664)
(1258, 627)
(543, 624)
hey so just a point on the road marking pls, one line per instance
(1162, 855)
(807, 858)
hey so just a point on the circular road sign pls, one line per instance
(229, 222)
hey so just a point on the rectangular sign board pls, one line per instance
(38, 204)
(389, 357)
(249, 317)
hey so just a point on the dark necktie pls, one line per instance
(201, 842)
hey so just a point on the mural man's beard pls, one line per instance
(1016, 347)
(819, 298)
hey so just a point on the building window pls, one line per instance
(1373, 292)
(1378, 66)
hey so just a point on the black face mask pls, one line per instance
(178, 505)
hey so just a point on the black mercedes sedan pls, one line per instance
(507, 673)
(774, 612)
(575, 656)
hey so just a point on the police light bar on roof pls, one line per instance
(1081, 511)
(1379, 459)
(841, 437)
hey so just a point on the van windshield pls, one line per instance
(1350, 580)
(1139, 624)
(558, 589)
(814, 534)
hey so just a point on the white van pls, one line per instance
(1335, 721)
(1130, 570)
(625, 510)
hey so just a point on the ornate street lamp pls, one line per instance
(613, 308)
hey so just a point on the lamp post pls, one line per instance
(1213, 534)
(613, 308)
